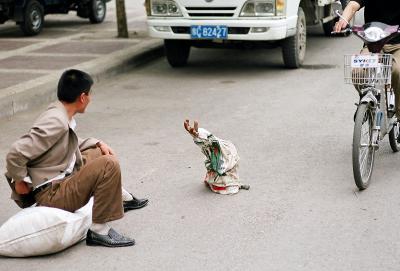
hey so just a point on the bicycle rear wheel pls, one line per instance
(394, 137)
(363, 151)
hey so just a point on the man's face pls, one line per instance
(84, 101)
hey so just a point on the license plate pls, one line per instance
(209, 32)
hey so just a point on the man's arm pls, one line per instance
(348, 13)
(87, 143)
(91, 142)
(41, 137)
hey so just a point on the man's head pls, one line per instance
(74, 88)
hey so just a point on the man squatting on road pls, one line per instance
(384, 11)
(64, 171)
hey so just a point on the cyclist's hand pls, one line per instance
(339, 26)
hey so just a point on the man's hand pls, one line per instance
(340, 25)
(348, 13)
(105, 149)
(194, 131)
(22, 188)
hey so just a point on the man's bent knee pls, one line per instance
(110, 162)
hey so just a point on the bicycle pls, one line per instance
(375, 115)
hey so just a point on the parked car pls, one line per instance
(211, 23)
(29, 14)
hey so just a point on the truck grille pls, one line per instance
(211, 11)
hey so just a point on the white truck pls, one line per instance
(212, 23)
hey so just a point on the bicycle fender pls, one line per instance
(369, 98)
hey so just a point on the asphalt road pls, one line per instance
(293, 130)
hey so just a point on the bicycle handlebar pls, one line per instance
(347, 30)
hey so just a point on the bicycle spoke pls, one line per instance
(362, 159)
(365, 133)
(365, 138)
(364, 163)
(365, 155)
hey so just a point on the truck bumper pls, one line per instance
(240, 29)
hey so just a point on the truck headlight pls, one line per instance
(280, 7)
(255, 8)
(164, 8)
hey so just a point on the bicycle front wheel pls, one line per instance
(363, 151)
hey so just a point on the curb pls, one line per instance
(35, 93)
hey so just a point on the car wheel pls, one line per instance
(33, 18)
(97, 12)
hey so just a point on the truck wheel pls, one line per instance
(83, 11)
(97, 11)
(328, 27)
(177, 52)
(3, 18)
(33, 18)
(294, 48)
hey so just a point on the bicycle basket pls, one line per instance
(370, 69)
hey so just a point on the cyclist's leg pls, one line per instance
(395, 50)
(396, 79)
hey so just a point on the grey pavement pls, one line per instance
(293, 130)
(31, 66)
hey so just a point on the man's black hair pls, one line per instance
(72, 84)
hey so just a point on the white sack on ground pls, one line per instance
(38, 231)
